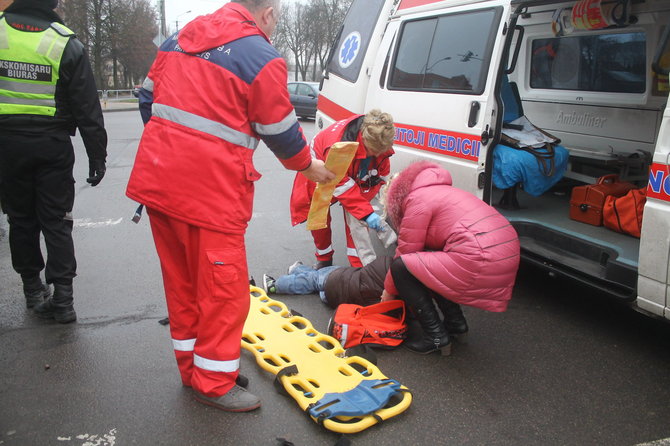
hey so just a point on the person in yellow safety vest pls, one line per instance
(47, 91)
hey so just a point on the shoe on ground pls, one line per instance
(241, 381)
(236, 400)
(269, 284)
(34, 297)
(62, 315)
(293, 267)
(323, 263)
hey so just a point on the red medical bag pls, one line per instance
(378, 325)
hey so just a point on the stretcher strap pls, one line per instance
(366, 398)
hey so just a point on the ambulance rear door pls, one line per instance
(653, 288)
(347, 74)
(435, 73)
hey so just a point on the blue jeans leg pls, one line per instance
(303, 280)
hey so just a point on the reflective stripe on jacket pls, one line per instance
(29, 68)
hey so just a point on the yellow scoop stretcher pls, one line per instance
(345, 394)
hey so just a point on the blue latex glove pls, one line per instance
(374, 221)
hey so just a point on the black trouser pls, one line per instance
(406, 283)
(37, 194)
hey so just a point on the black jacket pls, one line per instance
(361, 286)
(77, 103)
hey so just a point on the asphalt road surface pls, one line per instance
(561, 367)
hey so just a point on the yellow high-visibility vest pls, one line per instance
(29, 67)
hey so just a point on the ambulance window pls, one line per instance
(349, 50)
(612, 63)
(410, 64)
(446, 53)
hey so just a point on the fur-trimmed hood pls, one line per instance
(415, 176)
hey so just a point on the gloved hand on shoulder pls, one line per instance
(96, 171)
(374, 221)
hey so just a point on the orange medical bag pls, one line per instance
(624, 214)
(587, 202)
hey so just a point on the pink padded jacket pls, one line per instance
(450, 240)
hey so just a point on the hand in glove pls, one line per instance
(96, 171)
(374, 221)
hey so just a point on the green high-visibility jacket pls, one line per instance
(29, 67)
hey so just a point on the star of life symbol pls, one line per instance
(349, 49)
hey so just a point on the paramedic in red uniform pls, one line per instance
(214, 90)
(375, 133)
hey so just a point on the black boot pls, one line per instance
(59, 307)
(454, 320)
(34, 290)
(433, 336)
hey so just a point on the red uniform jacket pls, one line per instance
(215, 89)
(354, 192)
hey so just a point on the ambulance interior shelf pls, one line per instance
(587, 165)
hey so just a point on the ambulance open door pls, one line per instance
(654, 261)
(435, 73)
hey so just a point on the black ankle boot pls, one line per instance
(454, 320)
(433, 336)
(59, 307)
(34, 290)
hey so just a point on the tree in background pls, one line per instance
(306, 32)
(118, 35)
(137, 50)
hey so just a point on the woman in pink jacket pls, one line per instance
(452, 247)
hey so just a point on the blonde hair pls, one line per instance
(378, 131)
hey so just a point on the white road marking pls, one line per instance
(108, 439)
(663, 442)
(88, 223)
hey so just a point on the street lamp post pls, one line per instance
(176, 21)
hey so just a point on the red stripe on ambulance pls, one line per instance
(659, 182)
(459, 145)
(334, 111)
(413, 3)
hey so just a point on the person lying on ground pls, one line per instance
(335, 284)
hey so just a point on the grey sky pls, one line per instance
(178, 9)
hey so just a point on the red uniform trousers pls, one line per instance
(205, 276)
(324, 245)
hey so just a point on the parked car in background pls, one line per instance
(303, 98)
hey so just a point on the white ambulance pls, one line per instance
(591, 73)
